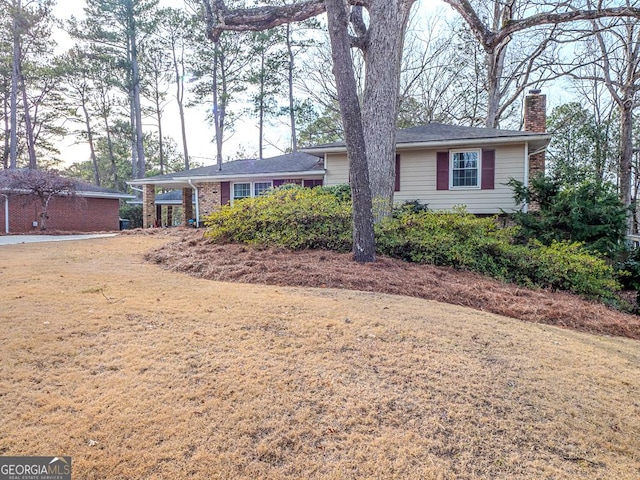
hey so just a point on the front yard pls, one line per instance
(138, 372)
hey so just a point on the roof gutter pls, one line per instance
(102, 195)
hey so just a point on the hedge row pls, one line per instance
(464, 241)
(298, 218)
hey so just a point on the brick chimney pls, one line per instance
(535, 120)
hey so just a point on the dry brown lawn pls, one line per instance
(138, 372)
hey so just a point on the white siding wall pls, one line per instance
(337, 169)
(418, 180)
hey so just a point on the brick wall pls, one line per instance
(535, 120)
(209, 195)
(65, 213)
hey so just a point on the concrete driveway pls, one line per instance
(16, 239)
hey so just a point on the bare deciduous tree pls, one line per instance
(41, 184)
(380, 36)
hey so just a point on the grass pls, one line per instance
(141, 373)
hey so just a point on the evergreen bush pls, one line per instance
(299, 218)
(588, 212)
(133, 213)
(292, 217)
(463, 241)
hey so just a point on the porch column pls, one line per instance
(148, 206)
(169, 216)
(187, 206)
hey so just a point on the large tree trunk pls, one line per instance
(494, 59)
(495, 69)
(218, 106)
(385, 35)
(137, 108)
(159, 119)
(107, 130)
(7, 128)
(363, 233)
(261, 106)
(134, 143)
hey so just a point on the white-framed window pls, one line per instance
(249, 189)
(465, 169)
(241, 190)
(260, 187)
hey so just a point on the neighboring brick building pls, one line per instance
(91, 209)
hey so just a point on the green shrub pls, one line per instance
(461, 240)
(409, 206)
(569, 266)
(589, 212)
(299, 218)
(133, 213)
(629, 269)
(292, 217)
(342, 192)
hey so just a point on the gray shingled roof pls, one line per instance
(439, 132)
(87, 188)
(171, 197)
(84, 188)
(289, 163)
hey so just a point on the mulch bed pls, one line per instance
(194, 255)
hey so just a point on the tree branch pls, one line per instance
(490, 39)
(219, 18)
(360, 29)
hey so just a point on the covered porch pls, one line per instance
(201, 191)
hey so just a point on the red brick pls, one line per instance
(79, 214)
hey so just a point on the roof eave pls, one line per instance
(105, 195)
(218, 178)
(544, 137)
(77, 193)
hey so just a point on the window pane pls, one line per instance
(241, 190)
(260, 187)
(465, 169)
